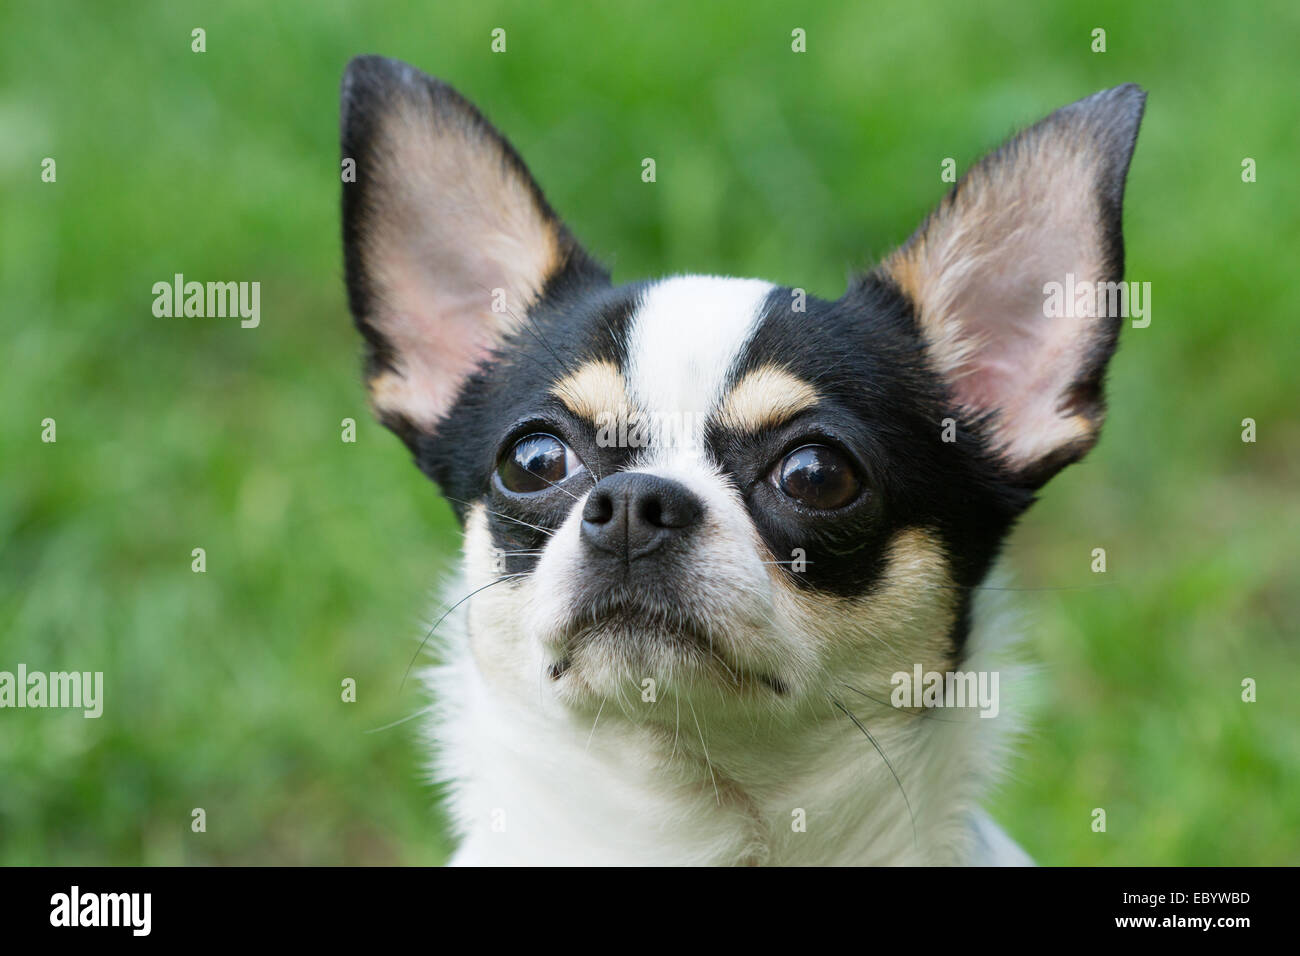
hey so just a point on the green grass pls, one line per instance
(223, 688)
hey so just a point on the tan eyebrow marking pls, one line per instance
(593, 390)
(767, 396)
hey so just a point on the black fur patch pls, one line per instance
(879, 401)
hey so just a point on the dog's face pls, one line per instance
(741, 493)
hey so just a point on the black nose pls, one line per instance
(631, 514)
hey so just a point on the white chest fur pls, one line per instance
(532, 783)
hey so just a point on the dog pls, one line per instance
(711, 524)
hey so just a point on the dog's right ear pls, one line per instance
(447, 239)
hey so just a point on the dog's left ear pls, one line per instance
(447, 239)
(1043, 208)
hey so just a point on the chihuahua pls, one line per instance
(717, 532)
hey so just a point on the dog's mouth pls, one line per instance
(631, 631)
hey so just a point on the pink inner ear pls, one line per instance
(978, 277)
(454, 287)
(455, 245)
(1026, 384)
(439, 335)
(1023, 362)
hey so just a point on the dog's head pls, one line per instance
(734, 490)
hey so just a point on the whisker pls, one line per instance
(599, 710)
(866, 733)
(910, 712)
(525, 323)
(409, 717)
(735, 678)
(677, 706)
(534, 330)
(984, 587)
(528, 324)
(705, 747)
(825, 372)
(420, 649)
(471, 504)
(557, 486)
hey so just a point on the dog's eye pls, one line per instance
(536, 463)
(817, 476)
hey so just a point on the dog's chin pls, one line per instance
(640, 655)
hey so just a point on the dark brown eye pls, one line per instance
(817, 476)
(535, 463)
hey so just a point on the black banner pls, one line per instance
(333, 905)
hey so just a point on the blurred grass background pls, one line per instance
(223, 688)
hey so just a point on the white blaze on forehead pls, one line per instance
(684, 339)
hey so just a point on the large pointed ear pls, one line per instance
(447, 239)
(1040, 216)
